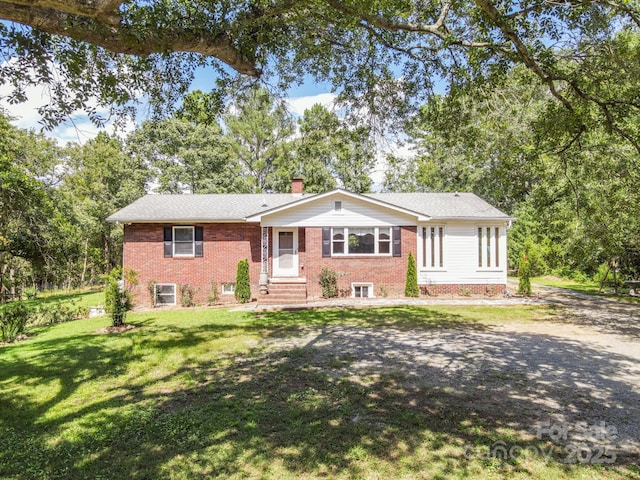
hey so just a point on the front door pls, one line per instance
(285, 252)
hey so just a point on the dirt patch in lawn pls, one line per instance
(120, 329)
(573, 382)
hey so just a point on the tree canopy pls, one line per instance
(384, 54)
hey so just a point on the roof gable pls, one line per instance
(337, 194)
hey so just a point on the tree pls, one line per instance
(258, 134)
(186, 156)
(516, 147)
(383, 54)
(118, 299)
(243, 282)
(411, 285)
(524, 272)
(328, 153)
(101, 178)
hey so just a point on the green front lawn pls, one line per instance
(590, 288)
(193, 394)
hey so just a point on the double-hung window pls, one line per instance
(432, 247)
(488, 246)
(183, 241)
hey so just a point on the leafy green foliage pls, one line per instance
(186, 157)
(57, 312)
(214, 295)
(411, 285)
(243, 282)
(329, 154)
(328, 282)
(118, 299)
(187, 295)
(13, 320)
(524, 274)
(259, 133)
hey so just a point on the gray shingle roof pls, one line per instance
(443, 205)
(236, 207)
(206, 207)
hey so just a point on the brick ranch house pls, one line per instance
(459, 242)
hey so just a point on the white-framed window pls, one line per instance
(165, 293)
(337, 206)
(183, 241)
(362, 290)
(228, 288)
(361, 241)
(488, 237)
(432, 247)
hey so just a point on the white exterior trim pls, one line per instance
(260, 217)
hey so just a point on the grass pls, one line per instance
(589, 287)
(193, 394)
(87, 297)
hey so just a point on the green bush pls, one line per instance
(214, 296)
(187, 295)
(118, 299)
(524, 272)
(30, 293)
(13, 320)
(411, 286)
(58, 312)
(328, 282)
(243, 283)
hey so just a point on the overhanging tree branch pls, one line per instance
(124, 38)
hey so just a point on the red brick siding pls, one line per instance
(224, 245)
(456, 289)
(383, 271)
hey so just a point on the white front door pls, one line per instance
(285, 252)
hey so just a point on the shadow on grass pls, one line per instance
(349, 401)
(403, 317)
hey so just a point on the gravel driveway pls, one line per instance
(541, 378)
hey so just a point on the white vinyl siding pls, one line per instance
(353, 212)
(461, 256)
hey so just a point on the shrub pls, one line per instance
(187, 294)
(411, 286)
(214, 296)
(151, 289)
(524, 272)
(243, 284)
(13, 320)
(58, 312)
(118, 299)
(328, 282)
(30, 293)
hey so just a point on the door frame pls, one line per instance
(277, 271)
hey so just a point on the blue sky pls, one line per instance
(79, 129)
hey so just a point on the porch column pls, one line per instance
(264, 265)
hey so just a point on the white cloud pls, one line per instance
(77, 129)
(298, 105)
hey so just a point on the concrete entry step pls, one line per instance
(285, 291)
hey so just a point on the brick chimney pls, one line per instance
(297, 185)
